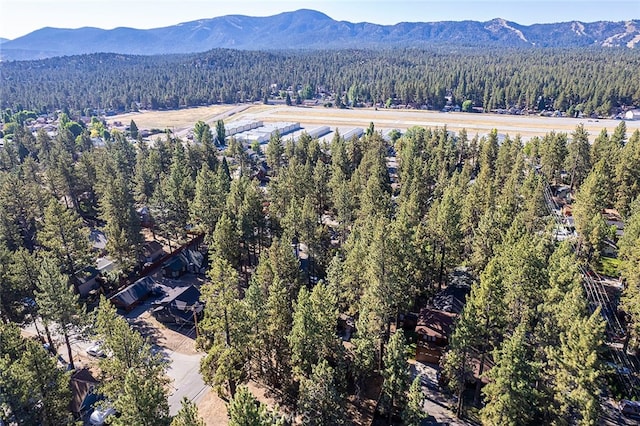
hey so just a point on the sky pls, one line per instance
(20, 17)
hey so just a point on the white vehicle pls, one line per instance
(96, 350)
(100, 415)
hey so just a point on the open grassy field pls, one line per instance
(526, 126)
(174, 119)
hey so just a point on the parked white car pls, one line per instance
(96, 350)
(100, 415)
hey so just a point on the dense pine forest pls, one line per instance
(598, 81)
(378, 241)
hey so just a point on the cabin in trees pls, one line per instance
(130, 296)
(435, 322)
(82, 384)
(433, 329)
(175, 267)
(180, 306)
(86, 281)
(152, 251)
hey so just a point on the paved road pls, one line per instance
(436, 403)
(187, 381)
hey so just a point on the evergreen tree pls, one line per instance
(122, 227)
(275, 151)
(208, 202)
(133, 130)
(225, 241)
(587, 211)
(223, 331)
(575, 370)
(188, 415)
(142, 401)
(202, 132)
(413, 413)
(179, 189)
(578, 161)
(554, 154)
(34, 390)
(511, 393)
(628, 175)
(629, 255)
(220, 132)
(64, 235)
(132, 378)
(313, 336)
(276, 344)
(395, 374)
(58, 303)
(319, 402)
(245, 410)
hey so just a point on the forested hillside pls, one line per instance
(310, 29)
(572, 81)
(375, 248)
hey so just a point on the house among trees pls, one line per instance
(435, 322)
(130, 296)
(144, 214)
(82, 384)
(152, 251)
(433, 330)
(86, 281)
(179, 307)
(175, 267)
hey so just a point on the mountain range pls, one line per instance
(309, 29)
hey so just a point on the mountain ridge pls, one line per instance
(310, 29)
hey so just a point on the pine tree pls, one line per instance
(188, 415)
(245, 410)
(628, 175)
(208, 202)
(122, 227)
(629, 255)
(395, 374)
(58, 303)
(575, 370)
(587, 211)
(511, 393)
(413, 413)
(64, 235)
(319, 402)
(133, 130)
(225, 241)
(554, 154)
(49, 386)
(223, 331)
(578, 161)
(274, 152)
(179, 190)
(275, 342)
(34, 389)
(220, 132)
(133, 378)
(313, 334)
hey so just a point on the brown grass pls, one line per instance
(309, 117)
(174, 119)
(214, 410)
(526, 126)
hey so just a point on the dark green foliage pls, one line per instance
(34, 390)
(188, 415)
(491, 78)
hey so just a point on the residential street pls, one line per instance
(436, 403)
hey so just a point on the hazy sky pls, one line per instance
(20, 17)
